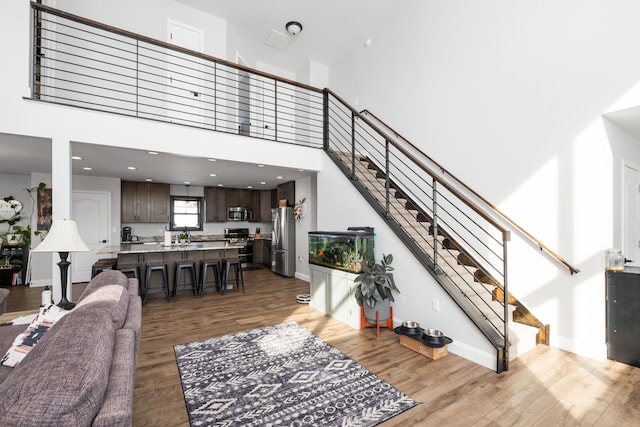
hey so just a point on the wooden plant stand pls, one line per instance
(364, 323)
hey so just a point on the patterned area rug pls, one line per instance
(281, 375)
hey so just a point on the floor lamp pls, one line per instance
(63, 237)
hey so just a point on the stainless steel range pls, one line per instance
(241, 236)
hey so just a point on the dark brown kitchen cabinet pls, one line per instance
(160, 200)
(254, 205)
(267, 202)
(144, 202)
(287, 191)
(262, 252)
(216, 204)
(237, 197)
(258, 251)
(266, 257)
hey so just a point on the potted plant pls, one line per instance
(182, 237)
(374, 288)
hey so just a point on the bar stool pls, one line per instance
(191, 267)
(237, 269)
(204, 267)
(132, 269)
(160, 267)
(103, 264)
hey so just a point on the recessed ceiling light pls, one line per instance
(152, 152)
(87, 168)
(300, 170)
(279, 177)
(187, 183)
(212, 160)
(76, 157)
(131, 168)
(249, 186)
(149, 180)
(220, 185)
(260, 166)
(262, 182)
(212, 174)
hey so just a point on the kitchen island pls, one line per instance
(143, 254)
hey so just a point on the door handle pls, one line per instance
(103, 241)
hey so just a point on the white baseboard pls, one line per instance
(304, 277)
(40, 283)
(482, 358)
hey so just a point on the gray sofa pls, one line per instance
(82, 371)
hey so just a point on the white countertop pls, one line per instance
(159, 247)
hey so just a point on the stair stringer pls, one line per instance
(472, 312)
(521, 314)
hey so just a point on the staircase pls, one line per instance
(479, 294)
(462, 247)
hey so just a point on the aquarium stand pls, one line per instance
(364, 323)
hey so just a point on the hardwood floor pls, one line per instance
(544, 387)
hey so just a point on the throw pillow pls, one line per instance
(46, 318)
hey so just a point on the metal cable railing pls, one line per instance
(493, 208)
(82, 63)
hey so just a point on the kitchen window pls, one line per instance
(186, 213)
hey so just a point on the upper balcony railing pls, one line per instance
(82, 63)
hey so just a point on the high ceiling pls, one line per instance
(330, 29)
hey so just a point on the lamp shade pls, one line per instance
(62, 237)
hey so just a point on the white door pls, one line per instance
(91, 211)
(631, 213)
(186, 88)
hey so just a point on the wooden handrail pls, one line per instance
(481, 212)
(166, 45)
(444, 171)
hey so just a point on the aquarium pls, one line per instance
(343, 250)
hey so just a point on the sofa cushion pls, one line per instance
(63, 379)
(107, 277)
(117, 406)
(113, 299)
(30, 337)
(134, 319)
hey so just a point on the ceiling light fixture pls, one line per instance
(76, 157)
(293, 28)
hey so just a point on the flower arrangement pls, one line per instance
(298, 208)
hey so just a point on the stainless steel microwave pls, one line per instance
(238, 214)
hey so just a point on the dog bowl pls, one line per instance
(409, 328)
(410, 324)
(433, 333)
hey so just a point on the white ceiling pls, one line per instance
(330, 29)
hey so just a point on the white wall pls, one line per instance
(624, 148)
(509, 97)
(150, 18)
(305, 189)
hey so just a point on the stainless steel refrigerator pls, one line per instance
(283, 243)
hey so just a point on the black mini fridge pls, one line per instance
(623, 315)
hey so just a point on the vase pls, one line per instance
(383, 309)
